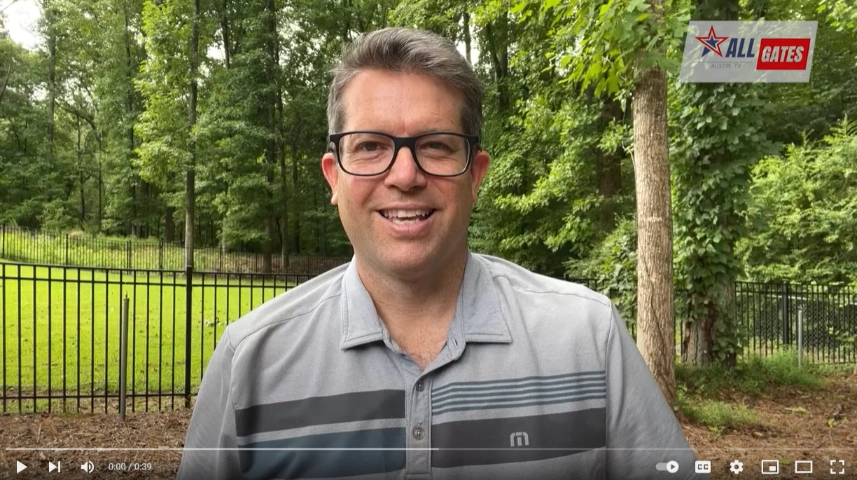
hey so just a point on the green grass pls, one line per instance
(753, 374)
(141, 254)
(702, 390)
(60, 327)
(718, 416)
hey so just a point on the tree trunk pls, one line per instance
(190, 177)
(655, 330)
(281, 157)
(296, 232)
(700, 333)
(80, 178)
(224, 27)
(609, 170)
(169, 225)
(52, 86)
(466, 28)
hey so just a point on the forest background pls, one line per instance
(205, 119)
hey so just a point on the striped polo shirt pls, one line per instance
(538, 379)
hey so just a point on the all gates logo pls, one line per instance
(748, 52)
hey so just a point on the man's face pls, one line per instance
(403, 104)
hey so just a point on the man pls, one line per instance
(419, 359)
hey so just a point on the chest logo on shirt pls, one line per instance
(522, 438)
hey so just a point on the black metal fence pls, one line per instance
(60, 333)
(36, 247)
(60, 330)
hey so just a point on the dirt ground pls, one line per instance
(818, 425)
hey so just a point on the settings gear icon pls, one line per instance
(736, 467)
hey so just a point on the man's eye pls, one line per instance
(368, 146)
(440, 146)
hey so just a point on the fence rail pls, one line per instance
(31, 246)
(60, 329)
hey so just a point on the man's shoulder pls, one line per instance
(295, 303)
(526, 281)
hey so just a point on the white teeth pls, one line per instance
(410, 215)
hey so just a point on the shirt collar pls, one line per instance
(478, 316)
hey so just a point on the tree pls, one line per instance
(611, 40)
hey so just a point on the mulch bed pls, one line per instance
(796, 426)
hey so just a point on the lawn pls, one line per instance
(61, 326)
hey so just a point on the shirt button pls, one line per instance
(420, 386)
(419, 433)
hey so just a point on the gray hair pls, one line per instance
(409, 51)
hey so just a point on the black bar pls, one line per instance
(188, 336)
(35, 338)
(160, 338)
(3, 316)
(107, 335)
(64, 338)
(50, 331)
(79, 338)
(123, 356)
(134, 347)
(148, 287)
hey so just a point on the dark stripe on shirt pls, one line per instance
(519, 439)
(293, 464)
(348, 407)
(513, 383)
(524, 402)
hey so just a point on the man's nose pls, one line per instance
(404, 173)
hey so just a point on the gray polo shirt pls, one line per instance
(538, 379)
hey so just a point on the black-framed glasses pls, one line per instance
(369, 153)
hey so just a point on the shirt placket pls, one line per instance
(419, 429)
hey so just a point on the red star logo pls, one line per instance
(712, 42)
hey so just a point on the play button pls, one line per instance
(21, 467)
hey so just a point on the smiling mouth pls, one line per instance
(406, 217)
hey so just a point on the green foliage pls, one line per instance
(613, 264)
(799, 231)
(605, 44)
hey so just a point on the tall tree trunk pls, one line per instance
(655, 328)
(272, 143)
(80, 178)
(281, 156)
(100, 197)
(700, 334)
(169, 224)
(224, 30)
(190, 174)
(296, 231)
(466, 28)
(52, 81)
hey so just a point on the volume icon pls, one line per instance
(88, 467)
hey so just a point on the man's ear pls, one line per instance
(478, 169)
(331, 173)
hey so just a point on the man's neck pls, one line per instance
(417, 310)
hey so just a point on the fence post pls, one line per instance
(66, 249)
(799, 337)
(188, 329)
(128, 252)
(4, 242)
(123, 358)
(161, 254)
(785, 326)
